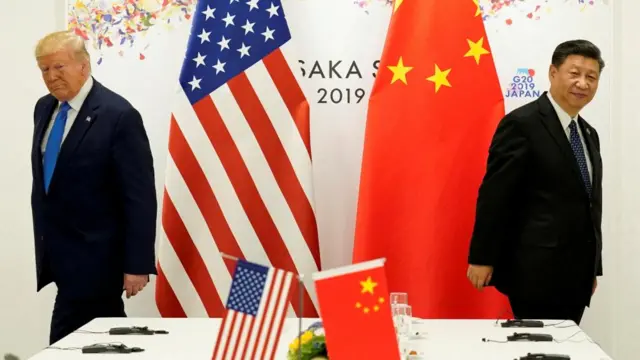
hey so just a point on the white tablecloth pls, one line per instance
(441, 339)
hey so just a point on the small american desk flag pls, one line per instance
(255, 312)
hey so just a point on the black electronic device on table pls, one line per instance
(109, 349)
(529, 337)
(523, 323)
(541, 356)
(135, 330)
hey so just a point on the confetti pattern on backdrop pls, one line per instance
(121, 26)
(502, 10)
(491, 9)
(366, 4)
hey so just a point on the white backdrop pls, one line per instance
(336, 58)
(338, 30)
(339, 57)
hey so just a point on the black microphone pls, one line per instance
(523, 323)
(109, 348)
(529, 337)
(541, 356)
(135, 330)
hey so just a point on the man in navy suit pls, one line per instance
(93, 196)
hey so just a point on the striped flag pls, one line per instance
(238, 175)
(256, 309)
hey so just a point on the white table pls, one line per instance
(444, 340)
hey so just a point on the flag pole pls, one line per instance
(300, 305)
(231, 257)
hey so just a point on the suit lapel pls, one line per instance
(44, 118)
(554, 127)
(592, 152)
(43, 121)
(84, 120)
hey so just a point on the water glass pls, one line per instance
(398, 298)
(402, 316)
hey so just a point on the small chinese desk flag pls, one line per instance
(355, 312)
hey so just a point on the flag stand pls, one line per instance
(300, 299)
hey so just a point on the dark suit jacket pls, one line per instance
(98, 220)
(535, 223)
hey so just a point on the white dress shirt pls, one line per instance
(76, 104)
(565, 120)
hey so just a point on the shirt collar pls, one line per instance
(78, 100)
(564, 117)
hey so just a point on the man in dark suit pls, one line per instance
(537, 236)
(93, 196)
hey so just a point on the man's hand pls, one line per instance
(595, 285)
(479, 275)
(133, 284)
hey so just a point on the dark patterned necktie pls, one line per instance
(578, 151)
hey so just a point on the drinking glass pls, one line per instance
(402, 316)
(398, 298)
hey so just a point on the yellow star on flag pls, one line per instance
(368, 285)
(478, 11)
(400, 71)
(397, 4)
(476, 50)
(440, 78)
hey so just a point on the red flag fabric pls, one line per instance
(432, 113)
(355, 310)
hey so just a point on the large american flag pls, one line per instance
(256, 309)
(238, 176)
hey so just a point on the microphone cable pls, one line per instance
(495, 341)
(574, 341)
(556, 325)
(132, 330)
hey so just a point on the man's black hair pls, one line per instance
(576, 47)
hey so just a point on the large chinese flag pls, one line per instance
(434, 107)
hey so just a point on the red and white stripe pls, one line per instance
(238, 181)
(244, 337)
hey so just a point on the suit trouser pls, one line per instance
(69, 314)
(524, 308)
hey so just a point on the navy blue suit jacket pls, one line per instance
(98, 220)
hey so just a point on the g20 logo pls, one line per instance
(523, 84)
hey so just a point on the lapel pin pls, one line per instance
(588, 131)
(88, 119)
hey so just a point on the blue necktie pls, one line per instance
(578, 151)
(53, 144)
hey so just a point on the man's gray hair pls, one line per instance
(62, 40)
